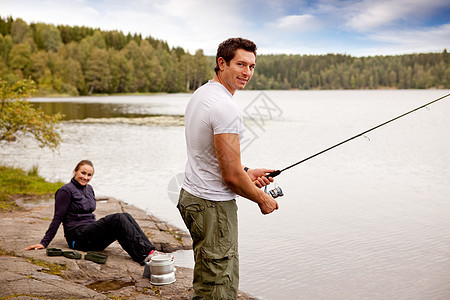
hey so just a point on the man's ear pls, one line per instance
(221, 63)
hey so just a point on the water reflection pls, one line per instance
(80, 111)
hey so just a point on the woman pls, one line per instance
(74, 207)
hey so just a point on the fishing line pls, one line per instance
(277, 172)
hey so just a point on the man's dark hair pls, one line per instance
(227, 49)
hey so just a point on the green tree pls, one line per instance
(152, 69)
(202, 71)
(5, 47)
(20, 31)
(73, 75)
(71, 51)
(74, 34)
(18, 117)
(47, 36)
(174, 74)
(121, 73)
(115, 39)
(39, 66)
(96, 40)
(98, 73)
(134, 54)
(20, 59)
(5, 25)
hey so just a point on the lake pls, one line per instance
(369, 219)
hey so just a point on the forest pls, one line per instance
(74, 60)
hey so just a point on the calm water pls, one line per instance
(367, 220)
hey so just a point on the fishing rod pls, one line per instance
(278, 172)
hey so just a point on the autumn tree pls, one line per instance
(121, 73)
(20, 31)
(98, 73)
(20, 59)
(18, 117)
(46, 37)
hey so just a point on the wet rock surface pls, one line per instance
(34, 275)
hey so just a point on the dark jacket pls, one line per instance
(74, 206)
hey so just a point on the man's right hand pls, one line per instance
(268, 204)
(228, 154)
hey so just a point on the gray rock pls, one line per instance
(29, 274)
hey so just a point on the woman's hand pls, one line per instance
(258, 176)
(35, 247)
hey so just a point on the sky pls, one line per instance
(352, 27)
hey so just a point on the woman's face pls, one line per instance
(84, 174)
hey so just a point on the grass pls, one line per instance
(21, 295)
(49, 268)
(5, 253)
(19, 182)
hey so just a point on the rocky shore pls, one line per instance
(34, 275)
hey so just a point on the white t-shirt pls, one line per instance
(210, 111)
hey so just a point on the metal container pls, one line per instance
(163, 279)
(147, 272)
(161, 265)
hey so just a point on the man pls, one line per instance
(215, 175)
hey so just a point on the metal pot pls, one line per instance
(162, 264)
(162, 279)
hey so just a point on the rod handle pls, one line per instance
(274, 173)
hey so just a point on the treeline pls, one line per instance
(336, 71)
(80, 60)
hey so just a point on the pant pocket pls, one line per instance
(227, 228)
(193, 217)
(217, 271)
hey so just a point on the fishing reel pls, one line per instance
(276, 192)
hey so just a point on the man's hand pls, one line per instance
(228, 153)
(268, 205)
(258, 176)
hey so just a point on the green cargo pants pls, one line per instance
(213, 227)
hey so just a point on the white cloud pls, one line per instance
(297, 23)
(372, 14)
(413, 41)
(189, 24)
(194, 24)
(350, 26)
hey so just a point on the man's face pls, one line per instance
(239, 71)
